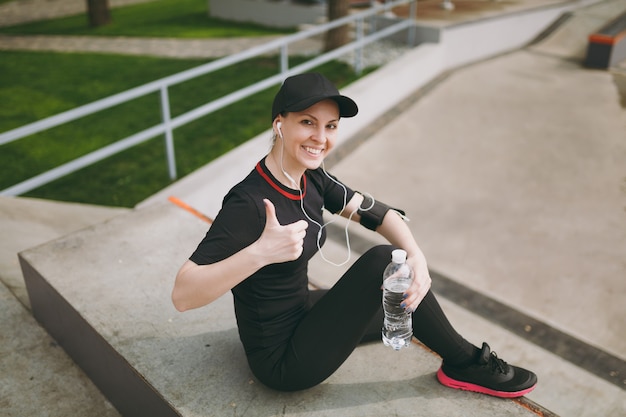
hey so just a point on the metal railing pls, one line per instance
(162, 85)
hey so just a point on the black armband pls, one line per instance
(372, 212)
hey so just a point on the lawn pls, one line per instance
(37, 85)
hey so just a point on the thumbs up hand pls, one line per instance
(280, 243)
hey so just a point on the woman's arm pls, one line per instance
(396, 231)
(198, 285)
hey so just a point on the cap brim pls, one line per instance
(347, 106)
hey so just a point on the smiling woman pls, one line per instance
(309, 136)
(271, 224)
(307, 109)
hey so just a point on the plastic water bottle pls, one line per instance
(398, 323)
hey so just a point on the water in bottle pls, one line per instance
(398, 323)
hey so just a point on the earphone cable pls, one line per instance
(322, 226)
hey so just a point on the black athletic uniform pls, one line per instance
(295, 338)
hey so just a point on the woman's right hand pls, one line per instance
(280, 243)
(198, 285)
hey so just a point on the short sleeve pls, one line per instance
(335, 194)
(239, 223)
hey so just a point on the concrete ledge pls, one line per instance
(270, 13)
(104, 294)
(29, 222)
(98, 359)
(607, 47)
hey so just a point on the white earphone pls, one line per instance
(322, 226)
(280, 132)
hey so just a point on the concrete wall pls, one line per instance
(470, 42)
(277, 13)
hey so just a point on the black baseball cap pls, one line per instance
(301, 91)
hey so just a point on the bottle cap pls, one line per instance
(398, 256)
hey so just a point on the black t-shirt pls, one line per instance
(270, 303)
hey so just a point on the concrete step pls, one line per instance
(37, 377)
(569, 37)
(104, 294)
(129, 341)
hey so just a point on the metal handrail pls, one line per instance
(169, 124)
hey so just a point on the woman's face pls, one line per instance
(308, 135)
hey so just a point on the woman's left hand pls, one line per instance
(420, 285)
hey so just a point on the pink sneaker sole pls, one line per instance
(467, 386)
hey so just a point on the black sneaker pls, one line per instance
(489, 375)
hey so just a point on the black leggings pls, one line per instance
(344, 316)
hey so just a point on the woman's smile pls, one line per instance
(305, 138)
(313, 151)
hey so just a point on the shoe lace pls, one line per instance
(497, 364)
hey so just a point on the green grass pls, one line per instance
(162, 18)
(37, 85)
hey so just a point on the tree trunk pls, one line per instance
(98, 12)
(339, 36)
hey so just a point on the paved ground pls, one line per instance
(521, 199)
